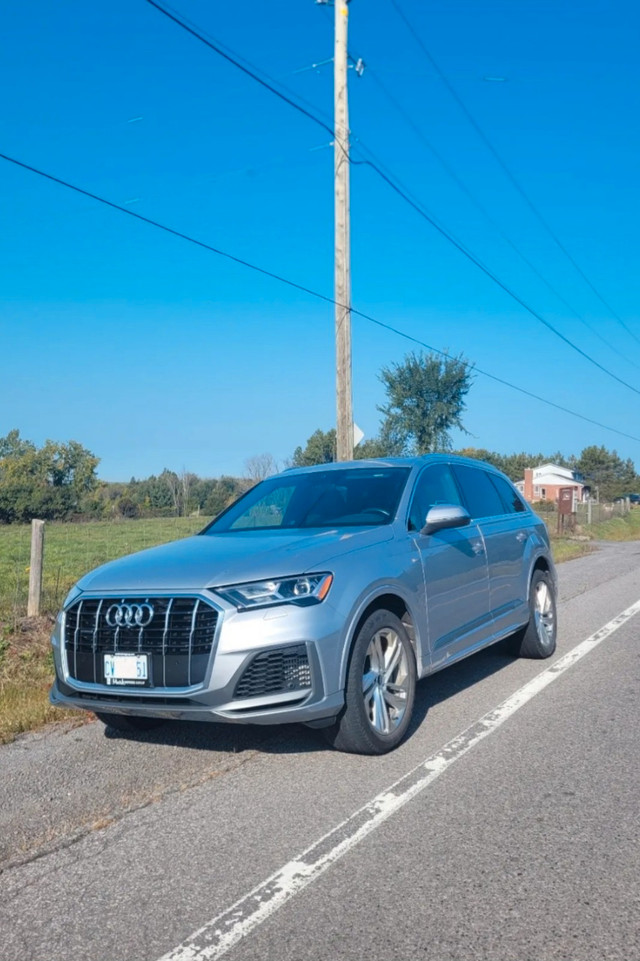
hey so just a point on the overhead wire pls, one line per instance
(483, 210)
(391, 181)
(167, 229)
(234, 59)
(508, 173)
(489, 273)
(308, 290)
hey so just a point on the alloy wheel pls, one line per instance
(385, 681)
(543, 613)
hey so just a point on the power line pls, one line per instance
(308, 290)
(235, 60)
(478, 263)
(392, 182)
(483, 210)
(476, 126)
(168, 230)
(234, 54)
(498, 380)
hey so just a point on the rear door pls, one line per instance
(504, 521)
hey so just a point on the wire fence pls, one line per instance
(586, 514)
(592, 513)
(70, 550)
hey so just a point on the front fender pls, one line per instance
(368, 600)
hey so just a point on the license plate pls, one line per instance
(126, 668)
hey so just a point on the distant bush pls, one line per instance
(544, 507)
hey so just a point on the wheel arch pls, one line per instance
(541, 563)
(386, 601)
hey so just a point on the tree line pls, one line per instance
(425, 401)
(607, 474)
(58, 481)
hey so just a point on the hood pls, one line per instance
(213, 560)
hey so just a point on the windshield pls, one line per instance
(353, 497)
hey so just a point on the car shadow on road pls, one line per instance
(456, 679)
(223, 738)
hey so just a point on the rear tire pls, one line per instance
(380, 688)
(129, 723)
(538, 638)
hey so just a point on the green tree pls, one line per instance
(371, 447)
(426, 398)
(50, 482)
(320, 449)
(222, 492)
(606, 473)
(513, 465)
(15, 446)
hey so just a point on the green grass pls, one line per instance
(625, 528)
(26, 673)
(70, 550)
(565, 549)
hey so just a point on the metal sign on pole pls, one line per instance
(566, 506)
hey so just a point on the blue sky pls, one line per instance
(154, 353)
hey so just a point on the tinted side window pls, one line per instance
(480, 496)
(510, 497)
(435, 486)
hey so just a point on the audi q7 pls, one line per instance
(320, 596)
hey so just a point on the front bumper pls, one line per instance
(241, 639)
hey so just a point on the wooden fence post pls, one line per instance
(35, 569)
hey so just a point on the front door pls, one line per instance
(454, 564)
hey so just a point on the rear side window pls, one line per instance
(480, 496)
(435, 486)
(512, 501)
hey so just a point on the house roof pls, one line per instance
(554, 474)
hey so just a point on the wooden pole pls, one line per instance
(344, 421)
(35, 569)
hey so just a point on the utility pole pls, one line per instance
(344, 420)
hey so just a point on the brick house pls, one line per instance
(543, 483)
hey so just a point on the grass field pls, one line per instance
(70, 550)
(625, 528)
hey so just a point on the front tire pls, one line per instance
(380, 688)
(129, 723)
(538, 638)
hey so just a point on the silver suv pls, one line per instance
(320, 596)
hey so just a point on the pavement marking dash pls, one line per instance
(219, 935)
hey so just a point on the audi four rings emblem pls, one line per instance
(129, 615)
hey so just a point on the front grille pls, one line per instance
(178, 638)
(275, 672)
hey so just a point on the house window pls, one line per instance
(543, 493)
(536, 491)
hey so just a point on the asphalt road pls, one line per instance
(519, 840)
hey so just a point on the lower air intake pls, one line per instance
(275, 672)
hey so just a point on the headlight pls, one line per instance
(302, 590)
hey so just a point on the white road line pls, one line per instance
(224, 931)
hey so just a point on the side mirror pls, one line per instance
(444, 516)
